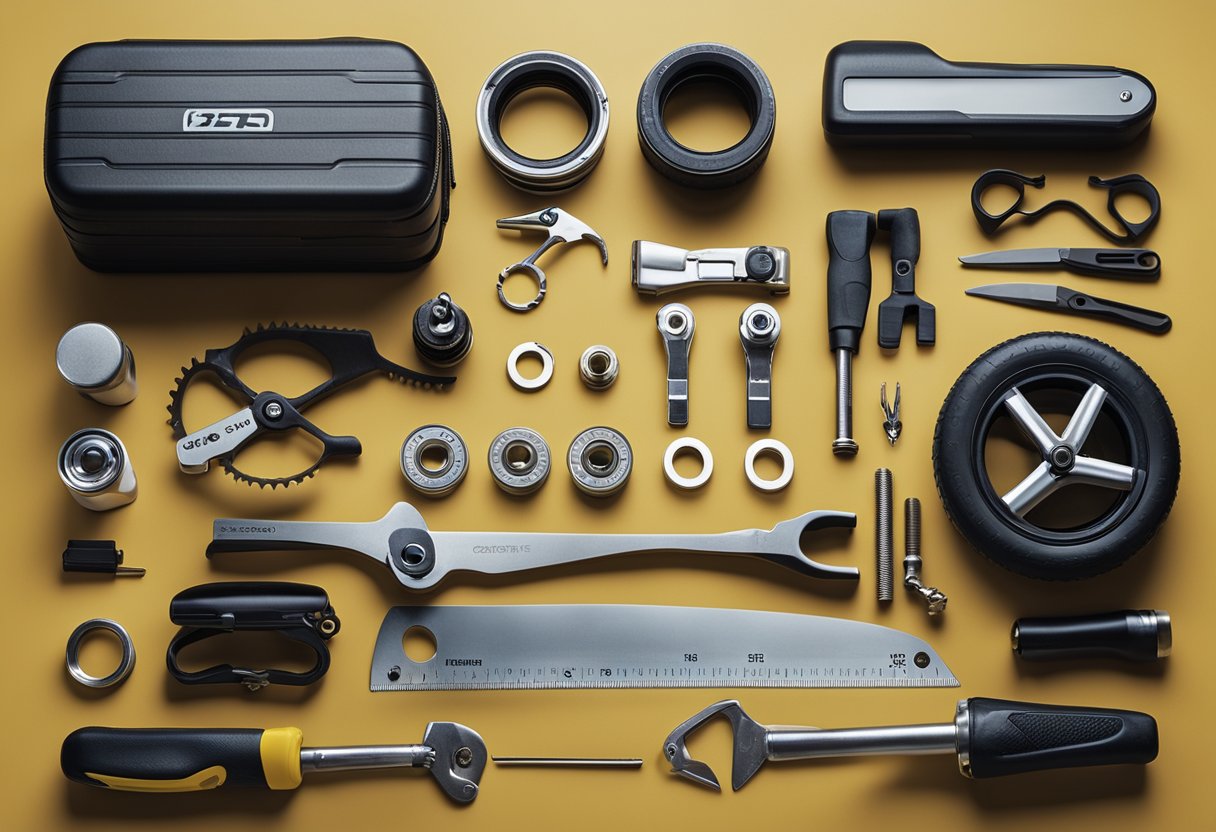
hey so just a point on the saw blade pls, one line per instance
(625, 646)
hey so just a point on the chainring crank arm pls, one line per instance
(350, 354)
(421, 559)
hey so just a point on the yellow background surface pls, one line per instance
(167, 319)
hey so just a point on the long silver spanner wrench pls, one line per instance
(420, 559)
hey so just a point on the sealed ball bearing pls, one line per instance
(434, 460)
(600, 461)
(736, 72)
(519, 460)
(556, 71)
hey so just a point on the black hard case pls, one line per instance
(353, 174)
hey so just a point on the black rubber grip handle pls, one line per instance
(164, 759)
(1013, 737)
(1141, 263)
(849, 236)
(1138, 635)
(1121, 313)
(903, 224)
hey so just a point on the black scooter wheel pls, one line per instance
(1056, 456)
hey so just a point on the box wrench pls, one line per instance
(420, 559)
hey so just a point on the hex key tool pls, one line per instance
(420, 559)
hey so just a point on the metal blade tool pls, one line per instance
(420, 559)
(628, 646)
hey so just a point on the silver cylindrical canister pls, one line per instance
(95, 361)
(94, 465)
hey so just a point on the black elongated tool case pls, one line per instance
(206, 156)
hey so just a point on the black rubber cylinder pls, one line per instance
(739, 74)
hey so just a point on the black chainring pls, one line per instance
(350, 353)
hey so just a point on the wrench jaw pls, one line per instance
(786, 538)
(459, 759)
(750, 749)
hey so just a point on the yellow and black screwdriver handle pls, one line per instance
(198, 759)
(183, 759)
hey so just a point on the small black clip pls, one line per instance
(300, 612)
(1132, 183)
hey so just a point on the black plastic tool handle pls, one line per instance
(182, 759)
(1137, 635)
(1120, 313)
(849, 236)
(1014, 737)
(1136, 263)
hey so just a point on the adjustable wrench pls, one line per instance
(420, 559)
(198, 759)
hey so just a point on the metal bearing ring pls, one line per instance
(556, 71)
(125, 664)
(787, 464)
(740, 74)
(432, 481)
(546, 369)
(687, 443)
(600, 461)
(519, 460)
(598, 367)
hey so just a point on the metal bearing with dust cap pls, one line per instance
(769, 446)
(687, 443)
(125, 664)
(530, 348)
(555, 71)
(519, 460)
(434, 460)
(598, 367)
(600, 461)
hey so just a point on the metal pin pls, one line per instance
(573, 762)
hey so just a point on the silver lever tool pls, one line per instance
(676, 326)
(658, 269)
(759, 329)
(992, 737)
(562, 227)
(420, 559)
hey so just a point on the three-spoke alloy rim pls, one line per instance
(1064, 460)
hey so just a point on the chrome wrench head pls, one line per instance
(459, 759)
(750, 750)
(676, 327)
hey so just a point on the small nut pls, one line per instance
(598, 367)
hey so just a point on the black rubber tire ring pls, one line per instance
(719, 168)
(961, 491)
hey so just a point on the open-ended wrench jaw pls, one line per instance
(750, 749)
(459, 760)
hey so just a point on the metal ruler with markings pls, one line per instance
(623, 646)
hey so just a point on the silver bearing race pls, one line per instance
(555, 71)
(771, 446)
(125, 664)
(687, 443)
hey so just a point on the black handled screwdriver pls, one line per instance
(849, 236)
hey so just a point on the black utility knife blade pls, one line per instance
(1062, 299)
(1131, 263)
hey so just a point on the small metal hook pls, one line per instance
(561, 227)
(891, 422)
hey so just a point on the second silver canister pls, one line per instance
(95, 467)
(96, 363)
